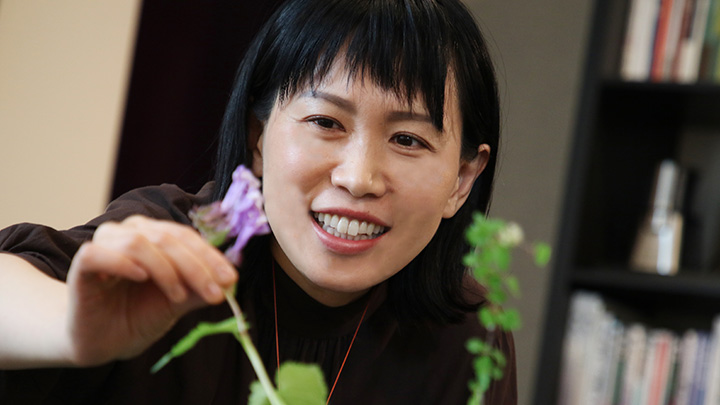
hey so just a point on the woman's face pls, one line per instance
(356, 182)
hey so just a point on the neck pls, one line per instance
(325, 296)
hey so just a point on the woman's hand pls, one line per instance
(133, 281)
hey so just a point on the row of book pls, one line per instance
(608, 362)
(672, 40)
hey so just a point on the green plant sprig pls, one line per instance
(297, 383)
(492, 242)
(233, 221)
(235, 325)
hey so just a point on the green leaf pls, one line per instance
(496, 373)
(476, 346)
(496, 297)
(513, 285)
(494, 282)
(301, 384)
(471, 260)
(487, 318)
(481, 274)
(473, 235)
(483, 373)
(482, 365)
(499, 357)
(476, 397)
(188, 342)
(257, 394)
(502, 258)
(542, 254)
(482, 229)
(509, 319)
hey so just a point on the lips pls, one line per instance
(347, 227)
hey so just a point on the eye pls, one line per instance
(409, 141)
(325, 122)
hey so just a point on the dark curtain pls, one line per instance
(185, 60)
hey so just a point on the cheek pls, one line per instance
(291, 173)
(429, 187)
(288, 149)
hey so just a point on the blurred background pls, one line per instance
(97, 98)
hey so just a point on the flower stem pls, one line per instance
(251, 351)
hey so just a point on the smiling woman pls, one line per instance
(352, 150)
(374, 128)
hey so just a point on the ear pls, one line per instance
(467, 174)
(256, 129)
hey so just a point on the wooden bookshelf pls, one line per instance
(623, 130)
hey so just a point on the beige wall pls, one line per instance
(63, 72)
(539, 50)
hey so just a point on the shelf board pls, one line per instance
(622, 280)
(661, 103)
(691, 89)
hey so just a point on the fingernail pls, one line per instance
(226, 275)
(139, 274)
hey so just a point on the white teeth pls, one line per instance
(353, 227)
(342, 225)
(346, 228)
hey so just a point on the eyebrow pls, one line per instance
(348, 106)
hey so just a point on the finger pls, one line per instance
(93, 258)
(217, 265)
(136, 247)
(202, 266)
(193, 271)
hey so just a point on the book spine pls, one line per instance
(583, 316)
(697, 391)
(692, 46)
(712, 389)
(710, 42)
(660, 41)
(679, 21)
(635, 354)
(638, 46)
(667, 385)
(687, 357)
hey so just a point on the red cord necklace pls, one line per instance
(277, 344)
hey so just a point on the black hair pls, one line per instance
(410, 47)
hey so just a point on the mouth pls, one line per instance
(348, 228)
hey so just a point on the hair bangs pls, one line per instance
(400, 45)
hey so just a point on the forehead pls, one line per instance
(340, 79)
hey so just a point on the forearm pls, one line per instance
(33, 314)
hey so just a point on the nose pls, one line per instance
(359, 171)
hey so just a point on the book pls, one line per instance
(712, 386)
(614, 370)
(660, 41)
(679, 20)
(709, 47)
(691, 43)
(583, 311)
(638, 48)
(634, 364)
(606, 362)
(697, 386)
(687, 353)
(657, 368)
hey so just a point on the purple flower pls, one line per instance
(239, 215)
